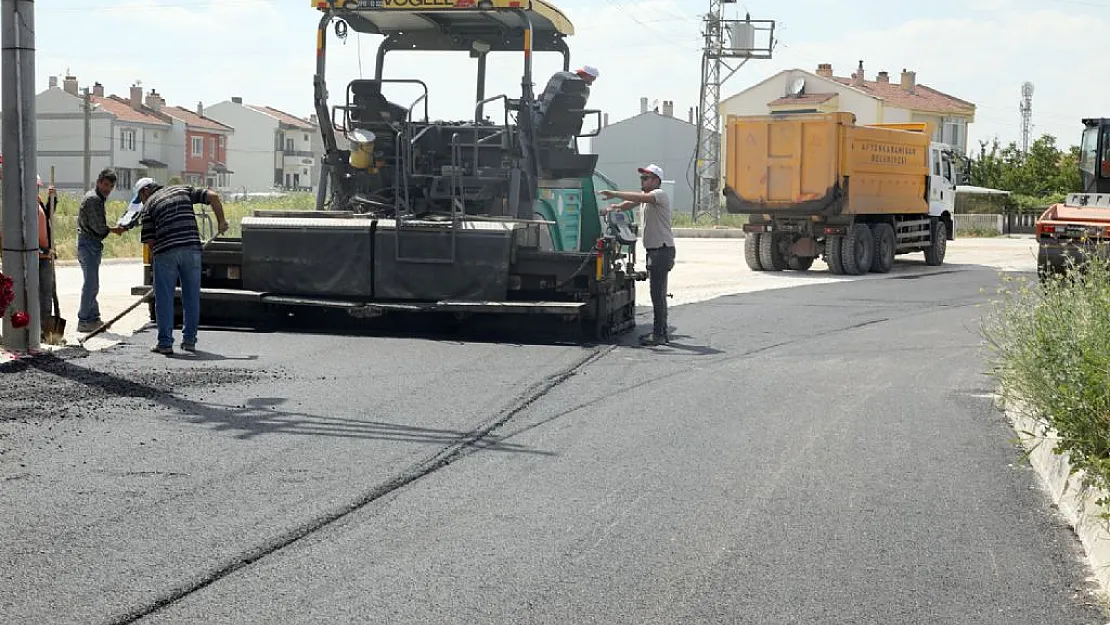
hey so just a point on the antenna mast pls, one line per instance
(1026, 108)
(740, 44)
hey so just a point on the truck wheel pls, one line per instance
(751, 250)
(770, 255)
(883, 260)
(799, 263)
(938, 243)
(834, 244)
(857, 250)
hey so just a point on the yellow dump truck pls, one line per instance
(819, 185)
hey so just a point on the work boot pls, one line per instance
(653, 339)
(165, 351)
(88, 326)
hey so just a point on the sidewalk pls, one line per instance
(117, 277)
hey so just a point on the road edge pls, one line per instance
(1076, 503)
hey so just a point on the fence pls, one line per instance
(980, 223)
(1009, 223)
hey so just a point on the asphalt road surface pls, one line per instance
(818, 454)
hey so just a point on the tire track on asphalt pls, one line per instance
(465, 446)
(725, 360)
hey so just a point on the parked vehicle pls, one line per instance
(1080, 225)
(819, 185)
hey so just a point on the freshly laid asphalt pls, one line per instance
(817, 454)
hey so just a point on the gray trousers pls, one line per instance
(660, 262)
(46, 289)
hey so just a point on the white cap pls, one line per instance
(653, 169)
(589, 70)
(141, 184)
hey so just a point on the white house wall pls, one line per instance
(648, 138)
(60, 126)
(302, 162)
(250, 150)
(175, 148)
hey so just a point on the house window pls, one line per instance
(123, 178)
(953, 132)
(127, 139)
(212, 147)
(289, 145)
(198, 146)
(221, 143)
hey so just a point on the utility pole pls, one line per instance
(740, 44)
(1026, 108)
(88, 140)
(21, 224)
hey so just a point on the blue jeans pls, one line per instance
(182, 263)
(89, 252)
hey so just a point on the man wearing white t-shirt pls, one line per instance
(658, 241)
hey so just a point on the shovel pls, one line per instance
(142, 300)
(54, 326)
(145, 298)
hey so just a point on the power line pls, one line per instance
(740, 45)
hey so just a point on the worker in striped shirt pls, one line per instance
(169, 227)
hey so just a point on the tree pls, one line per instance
(1044, 171)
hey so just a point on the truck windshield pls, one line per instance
(1104, 158)
(1088, 151)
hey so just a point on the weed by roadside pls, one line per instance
(127, 245)
(727, 220)
(977, 233)
(1051, 353)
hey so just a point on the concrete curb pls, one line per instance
(1075, 502)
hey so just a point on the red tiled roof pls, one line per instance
(193, 120)
(122, 110)
(283, 117)
(805, 98)
(923, 98)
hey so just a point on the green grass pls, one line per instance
(683, 220)
(977, 233)
(127, 245)
(1050, 348)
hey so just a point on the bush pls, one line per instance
(1051, 345)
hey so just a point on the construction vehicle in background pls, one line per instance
(819, 185)
(1080, 225)
(462, 217)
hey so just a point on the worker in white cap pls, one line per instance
(587, 73)
(658, 241)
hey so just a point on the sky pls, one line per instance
(264, 51)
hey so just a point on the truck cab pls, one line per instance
(1094, 156)
(943, 176)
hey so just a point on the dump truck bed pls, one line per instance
(824, 164)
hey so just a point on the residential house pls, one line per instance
(650, 137)
(875, 101)
(272, 149)
(121, 135)
(200, 145)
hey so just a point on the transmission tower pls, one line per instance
(1026, 108)
(725, 40)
